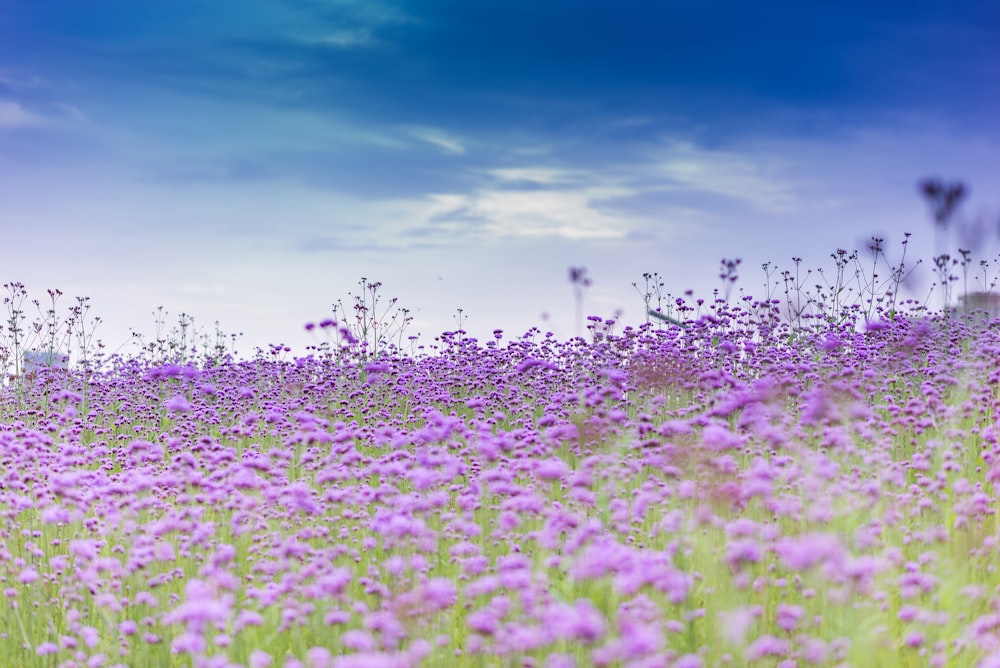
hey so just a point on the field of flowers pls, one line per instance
(733, 492)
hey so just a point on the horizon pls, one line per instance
(248, 165)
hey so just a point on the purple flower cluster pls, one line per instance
(729, 493)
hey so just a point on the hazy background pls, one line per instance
(247, 162)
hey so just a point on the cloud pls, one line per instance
(442, 140)
(13, 116)
(344, 39)
(729, 174)
(540, 176)
(571, 212)
(12, 82)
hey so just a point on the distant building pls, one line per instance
(980, 301)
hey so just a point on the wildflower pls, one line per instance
(484, 621)
(202, 606)
(787, 616)
(178, 404)
(91, 636)
(767, 645)
(260, 659)
(84, 548)
(641, 639)
(357, 640)
(334, 617)
(531, 363)
(739, 552)
(247, 618)
(188, 643)
(439, 593)
(47, 648)
(319, 657)
(805, 551)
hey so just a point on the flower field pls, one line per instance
(732, 492)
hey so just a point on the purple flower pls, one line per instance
(188, 643)
(260, 659)
(357, 640)
(47, 648)
(530, 363)
(319, 657)
(739, 552)
(202, 606)
(178, 404)
(767, 645)
(439, 593)
(803, 552)
(84, 548)
(552, 468)
(484, 621)
(787, 616)
(91, 636)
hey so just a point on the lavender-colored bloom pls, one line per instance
(484, 621)
(719, 438)
(91, 636)
(787, 616)
(358, 640)
(371, 660)
(551, 469)
(805, 551)
(178, 404)
(84, 548)
(531, 363)
(739, 552)
(247, 618)
(188, 643)
(202, 605)
(439, 593)
(260, 659)
(767, 645)
(319, 657)
(47, 648)
(638, 640)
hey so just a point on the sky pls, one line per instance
(247, 163)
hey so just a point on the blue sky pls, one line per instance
(248, 162)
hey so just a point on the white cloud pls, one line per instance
(730, 174)
(345, 39)
(20, 83)
(13, 115)
(540, 175)
(443, 140)
(570, 213)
